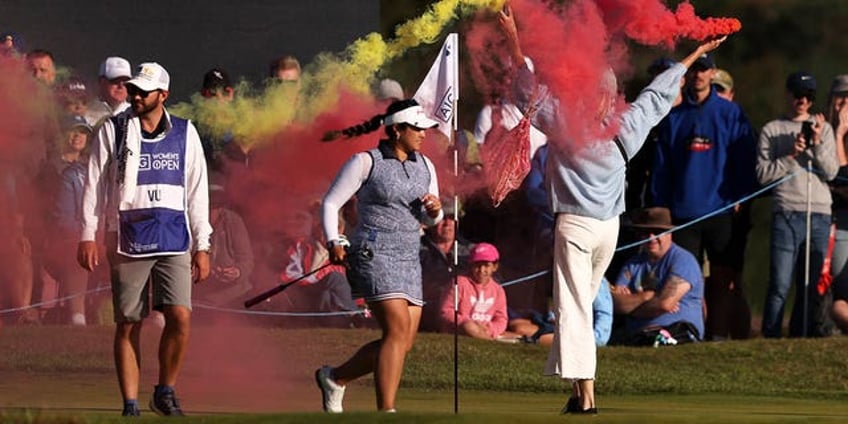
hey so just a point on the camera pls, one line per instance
(807, 132)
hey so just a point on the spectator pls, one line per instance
(16, 272)
(216, 86)
(705, 161)
(785, 150)
(662, 285)
(11, 44)
(723, 82)
(481, 311)
(67, 219)
(112, 93)
(437, 265)
(538, 328)
(133, 195)
(388, 91)
(302, 251)
(42, 66)
(587, 196)
(285, 69)
(231, 261)
(74, 98)
(837, 116)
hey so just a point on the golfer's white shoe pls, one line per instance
(332, 393)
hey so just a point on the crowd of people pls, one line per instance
(686, 161)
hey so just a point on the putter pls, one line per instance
(276, 290)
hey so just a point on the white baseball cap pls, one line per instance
(413, 115)
(115, 67)
(151, 76)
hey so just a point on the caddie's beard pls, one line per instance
(142, 108)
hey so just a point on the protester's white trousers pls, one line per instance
(583, 249)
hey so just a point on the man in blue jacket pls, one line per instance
(704, 161)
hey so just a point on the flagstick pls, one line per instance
(455, 248)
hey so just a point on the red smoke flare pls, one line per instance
(650, 22)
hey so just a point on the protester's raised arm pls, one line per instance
(507, 21)
(702, 49)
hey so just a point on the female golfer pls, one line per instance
(397, 191)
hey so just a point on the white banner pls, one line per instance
(439, 92)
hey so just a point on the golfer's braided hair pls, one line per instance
(372, 124)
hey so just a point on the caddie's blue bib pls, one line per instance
(156, 221)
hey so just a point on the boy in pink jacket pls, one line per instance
(482, 310)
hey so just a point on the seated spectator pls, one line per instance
(66, 218)
(662, 285)
(482, 312)
(437, 265)
(231, 259)
(301, 251)
(538, 328)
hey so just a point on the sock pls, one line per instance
(130, 404)
(162, 389)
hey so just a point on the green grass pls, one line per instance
(236, 374)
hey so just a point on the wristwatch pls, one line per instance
(333, 243)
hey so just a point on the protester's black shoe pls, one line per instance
(573, 407)
(166, 403)
(131, 411)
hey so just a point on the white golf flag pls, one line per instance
(438, 94)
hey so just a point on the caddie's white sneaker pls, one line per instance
(332, 393)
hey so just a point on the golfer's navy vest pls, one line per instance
(156, 222)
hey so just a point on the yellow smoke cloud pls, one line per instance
(253, 119)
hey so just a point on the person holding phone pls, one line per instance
(786, 148)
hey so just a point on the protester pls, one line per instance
(147, 171)
(785, 150)
(397, 191)
(587, 197)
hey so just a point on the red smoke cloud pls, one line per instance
(574, 44)
(649, 22)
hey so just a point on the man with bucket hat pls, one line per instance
(662, 284)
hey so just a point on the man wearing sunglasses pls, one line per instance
(785, 149)
(661, 285)
(112, 93)
(147, 176)
(703, 162)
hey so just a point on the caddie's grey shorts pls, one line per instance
(132, 278)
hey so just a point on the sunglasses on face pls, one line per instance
(804, 95)
(133, 91)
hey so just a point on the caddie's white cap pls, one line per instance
(115, 67)
(151, 76)
(413, 115)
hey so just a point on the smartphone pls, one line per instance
(807, 132)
